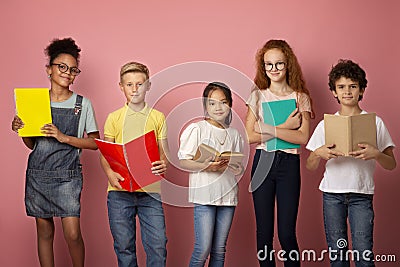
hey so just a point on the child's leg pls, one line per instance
(122, 210)
(73, 237)
(45, 237)
(152, 227)
(204, 223)
(223, 222)
(335, 220)
(264, 207)
(361, 218)
(287, 202)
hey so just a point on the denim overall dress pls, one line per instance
(54, 174)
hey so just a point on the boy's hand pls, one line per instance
(293, 121)
(114, 178)
(159, 167)
(17, 124)
(367, 152)
(326, 152)
(50, 130)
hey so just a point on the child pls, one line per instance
(348, 184)
(54, 174)
(134, 119)
(212, 185)
(276, 175)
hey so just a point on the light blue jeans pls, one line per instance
(211, 229)
(122, 210)
(358, 209)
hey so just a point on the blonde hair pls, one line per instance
(134, 67)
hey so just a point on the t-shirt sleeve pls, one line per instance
(162, 127)
(304, 103)
(317, 138)
(109, 127)
(189, 142)
(253, 102)
(384, 140)
(90, 123)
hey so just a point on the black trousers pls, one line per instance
(276, 176)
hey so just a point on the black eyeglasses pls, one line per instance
(280, 65)
(64, 68)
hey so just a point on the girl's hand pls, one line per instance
(236, 169)
(50, 130)
(114, 178)
(17, 124)
(326, 152)
(367, 152)
(293, 121)
(159, 167)
(217, 166)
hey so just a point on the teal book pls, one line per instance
(276, 113)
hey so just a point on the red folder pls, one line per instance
(132, 160)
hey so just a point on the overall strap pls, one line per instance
(78, 104)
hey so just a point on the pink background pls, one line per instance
(163, 34)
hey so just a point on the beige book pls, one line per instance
(205, 152)
(346, 132)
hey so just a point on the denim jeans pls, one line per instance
(122, 210)
(358, 209)
(281, 184)
(211, 228)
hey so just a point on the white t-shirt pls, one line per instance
(210, 188)
(347, 174)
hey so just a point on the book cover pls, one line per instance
(33, 107)
(346, 132)
(132, 160)
(205, 152)
(276, 113)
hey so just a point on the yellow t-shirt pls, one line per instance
(124, 125)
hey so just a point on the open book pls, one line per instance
(33, 108)
(132, 160)
(205, 152)
(276, 113)
(346, 132)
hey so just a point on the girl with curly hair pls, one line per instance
(54, 173)
(276, 175)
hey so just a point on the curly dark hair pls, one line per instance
(62, 46)
(350, 70)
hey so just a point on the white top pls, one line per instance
(259, 96)
(347, 174)
(210, 188)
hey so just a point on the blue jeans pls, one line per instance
(211, 228)
(358, 209)
(122, 210)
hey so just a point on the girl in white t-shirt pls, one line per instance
(212, 184)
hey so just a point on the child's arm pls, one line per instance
(160, 166)
(113, 177)
(325, 152)
(296, 129)
(207, 165)
(50, 130)
(385, 158)
(17, 124)
(254, 133)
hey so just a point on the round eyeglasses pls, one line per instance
(280, 65)
(64, 68)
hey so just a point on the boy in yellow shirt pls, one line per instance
(123, 125)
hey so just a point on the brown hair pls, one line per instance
(294, 75)
(134, 67)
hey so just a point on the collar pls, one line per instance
(145, 111)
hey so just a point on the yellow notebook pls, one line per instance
(33, 107)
